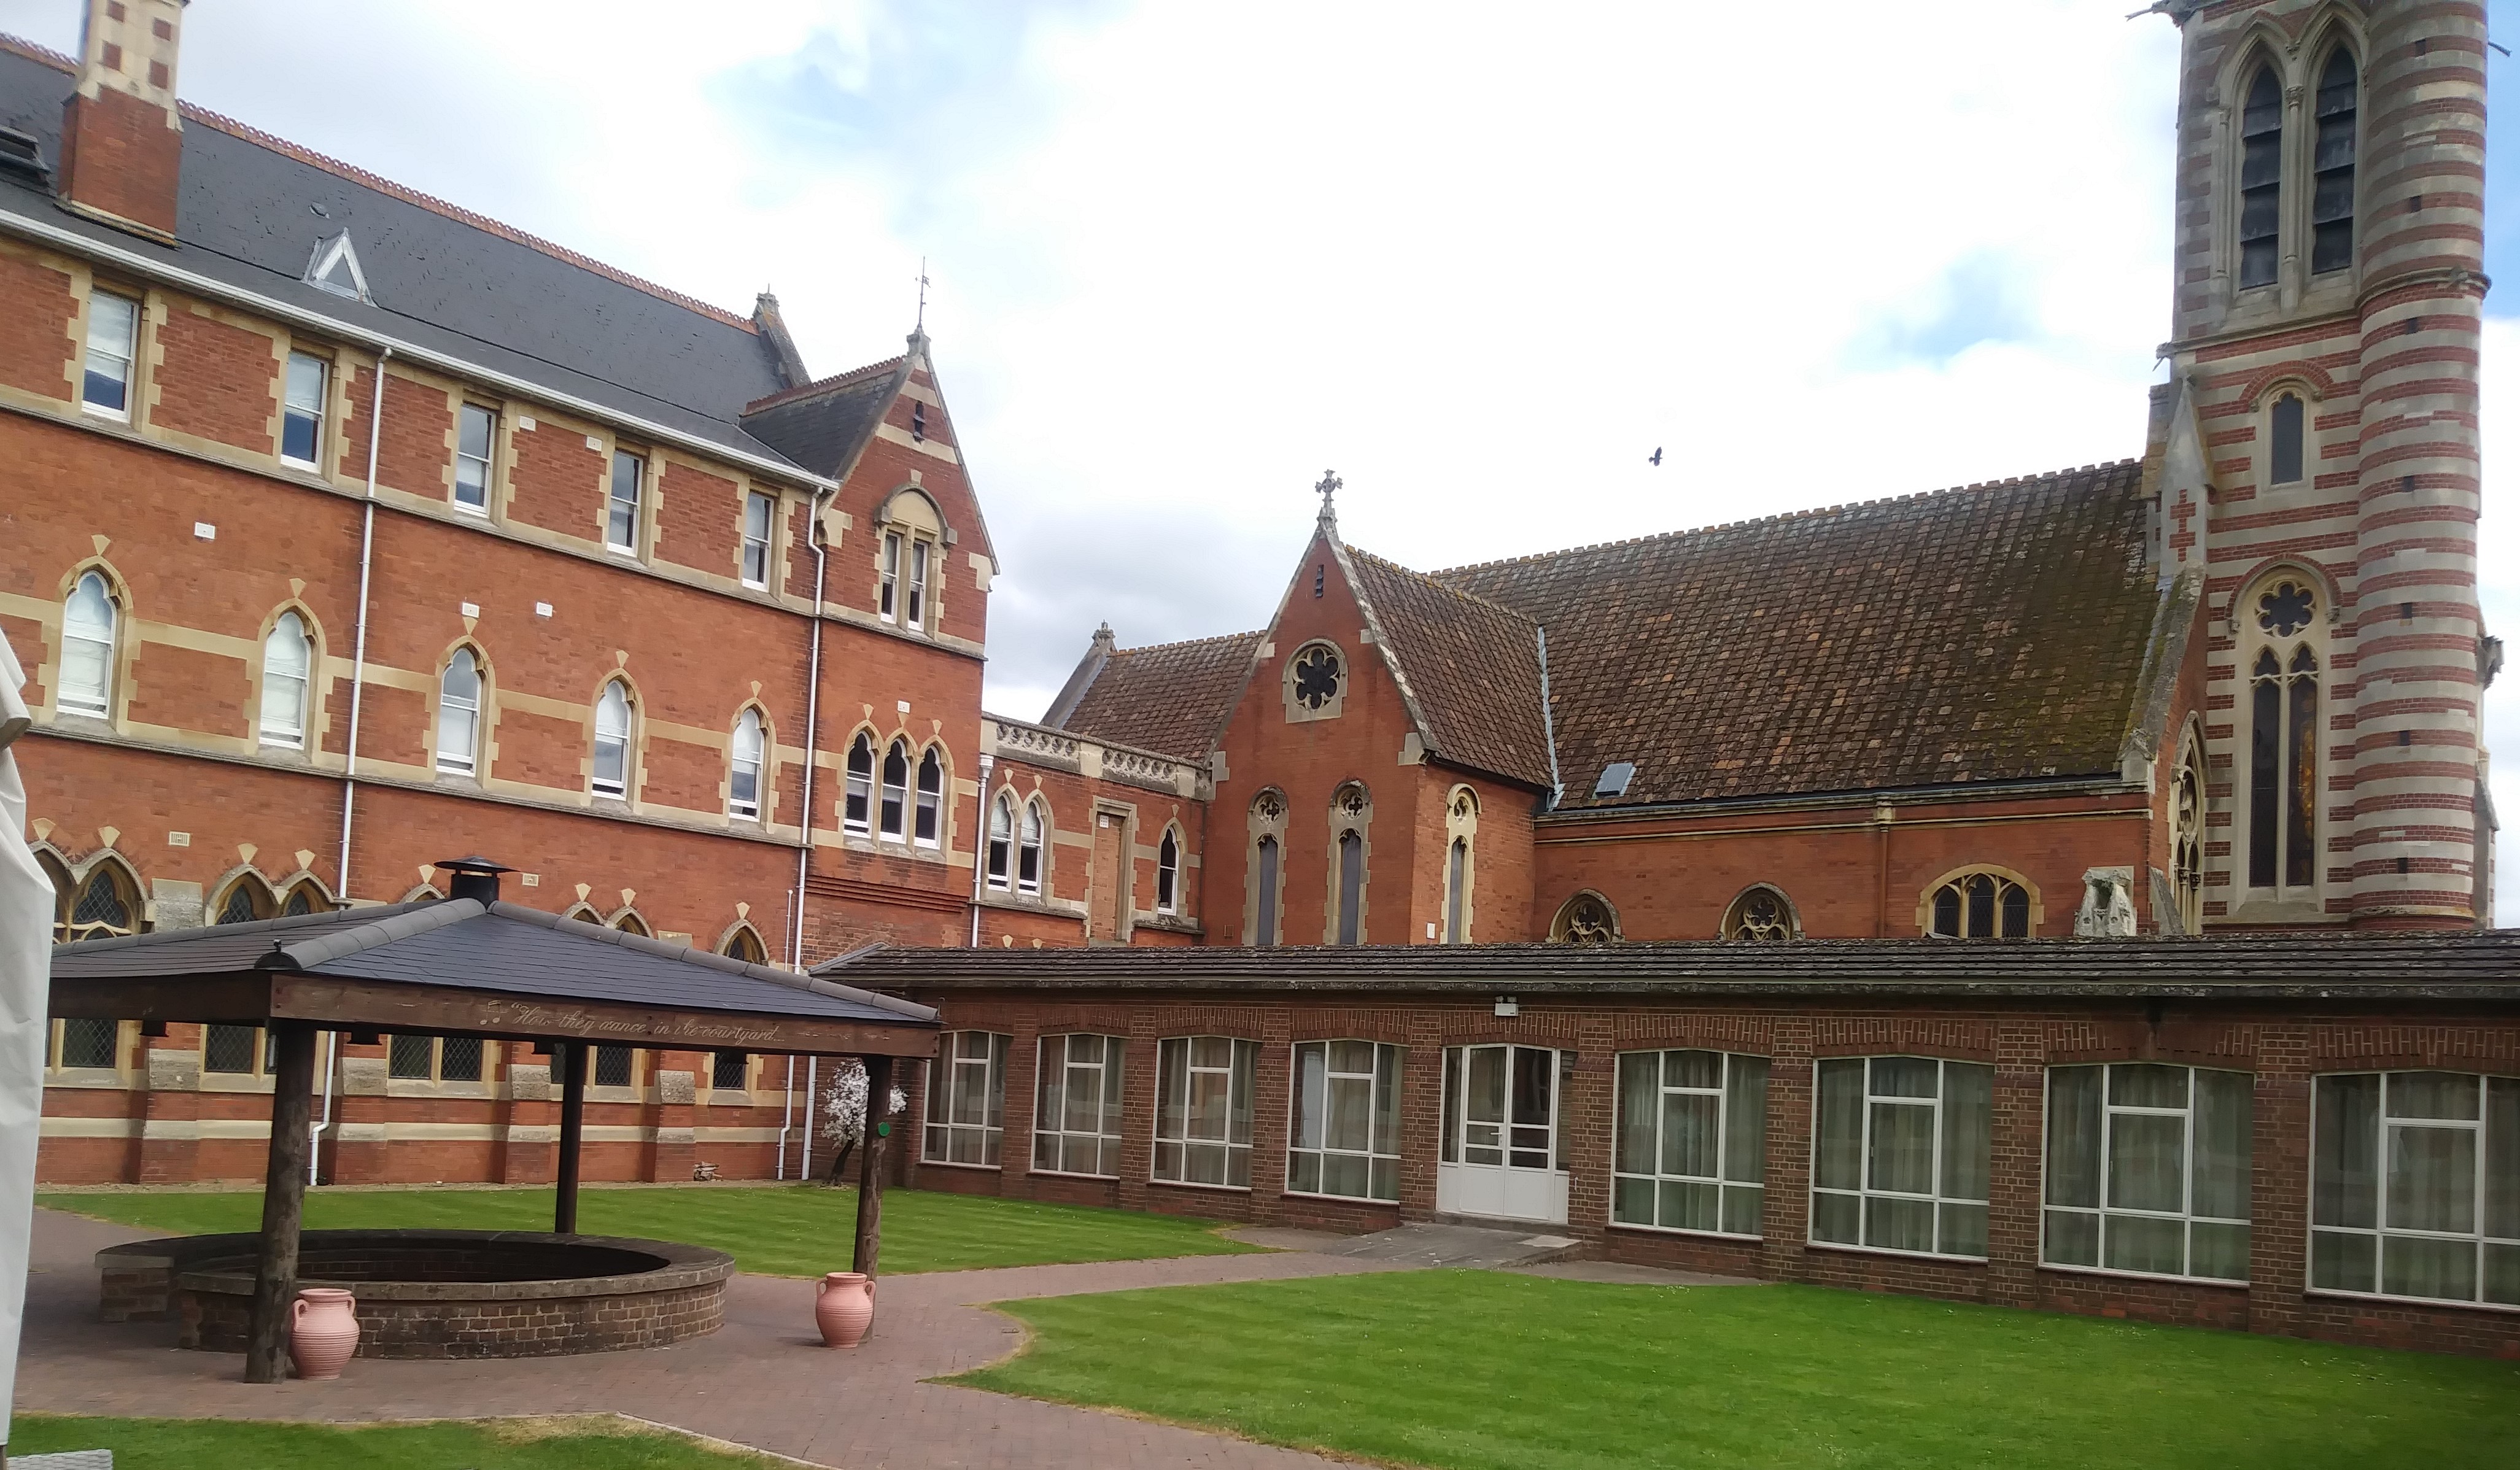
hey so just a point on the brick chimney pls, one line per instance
(122, 140)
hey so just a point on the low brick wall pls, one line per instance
(438, 1294)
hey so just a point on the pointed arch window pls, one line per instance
(1980, 905)
(2188, 840)
(103, 906)
(927, 820)
(88, 621)
(860, 797)
(1587, 919)
(2261, 178)
(1350, 809)
(744, 945)
(896, 791)
(286, 664)
(1002, 841)
(2283, 769)
(305, 898)
(1762, 916)
(2331, 189)
(628, 922)
(1028, 849)
(744, 782)
(246, 900)
(1457, 875)
(458, 714)
(1168, 873)
(2285, 432)
(613, 740)
(1265, 928)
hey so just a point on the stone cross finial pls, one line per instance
(1328, 487)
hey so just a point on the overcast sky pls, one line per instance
(1481, 260)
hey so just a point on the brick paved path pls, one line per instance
(762, 1380)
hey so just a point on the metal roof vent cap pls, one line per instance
(22, 156)
(476, 878)
(1614, 779)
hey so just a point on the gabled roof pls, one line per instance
(251, 206)
(500, 948)
(1469, 668)
(1173, 698)
(1993, 633)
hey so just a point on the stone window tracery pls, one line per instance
(1586, 921)
(1316, 683)
(1168, 873)
(1351, 811)
(2188, 840)
(1980, 905)
(88, 620)
(2284, 716)
(1264, 883)
(1762, 914)
(1460, 874)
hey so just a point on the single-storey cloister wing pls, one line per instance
(2306, 1134)
(469, 964)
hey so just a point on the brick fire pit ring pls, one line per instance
(438, 1293)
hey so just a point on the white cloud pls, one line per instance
(1482, 258)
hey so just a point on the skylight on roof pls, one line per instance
(334, 267)
(1614, 779)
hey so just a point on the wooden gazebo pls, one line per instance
(470, 965)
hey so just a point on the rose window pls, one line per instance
(1317, 676)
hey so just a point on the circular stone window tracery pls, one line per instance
(1317, 676)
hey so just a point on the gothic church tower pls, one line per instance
(2319, 459)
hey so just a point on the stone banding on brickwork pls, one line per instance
(438, 1293)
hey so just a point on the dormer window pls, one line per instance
(334, 267)
(1614, 779)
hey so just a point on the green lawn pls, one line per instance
(586, 1443)
(1473, 1370)
(771, 1230)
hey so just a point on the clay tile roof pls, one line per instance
(1173, 699)
(1997, 632)
(1471, 668)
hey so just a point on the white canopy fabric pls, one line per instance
(26, 942)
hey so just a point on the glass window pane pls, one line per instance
(1171, 1090)
(1304, 1173)
(1902, 1153)
(2413, 1266)
(1968, 1114)
(1311, 1094)
(1743, 1205)
(2073, 1238)
(1386, 1101)
(1963, 1230)
(1346, 1174)
(1746, 1121)
(1207, 1105)
(2225, 1109)
(1689, 1207)
(1904, 1077)
(1836, 1218)
(2147, 1084)
(1689, 1133)
(408, 1057)
(2136, 1243)
(1632, 1201)
(1639, 1095)
(2221, 1251)
(2340, 1262)
(1351, 1115)
(1386, 1178)
(2433, 1095)
(2074, 1140)
(2432, 1179)
(1210, 1051)
(87, 1041)
(2345, 1152)
(1486, 1101)
(1837, 1162)
(1693, 1069)
(2502, 1274)
(2502, 1159)
(1899, 1224)
(1351, 1056)
(2147, 1161)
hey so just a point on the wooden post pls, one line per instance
(284, 1202)
(871, 1164)
(571, 1057)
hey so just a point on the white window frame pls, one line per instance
(281, 722)
(928, 803)
(1001, 860)
(469, 762)
(916, 605)
(967, 1060)
(621, 741)
(858, 786)
(95, 701)
(487, 459)
(1728, 1066)
(2105, 1162)
(755, 566)
(1168, 872)
(1108, 1075)
(1381, 1154)
(1029, 844)
(1865, 1193)
(2380, 1233)
(892, 804)
(1178, 1071)
(619, 540)
(738, 806)
(93, 351)
(306, 405)
(888, 596)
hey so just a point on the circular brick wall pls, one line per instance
(448, 1293)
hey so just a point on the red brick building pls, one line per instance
(1506, 891)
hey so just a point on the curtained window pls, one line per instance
(285, 666)
(1690, 1142)
(896, 791)
(1028, 849)
(860, 784)
(613, 740)
(2414, 1186)
(967, 1099)
(1076, 1109)
(88, 621)
(459, 713)
(1203, 1110)
(2148, 1170)
(1168, 873)
(1347, 1121)
(744, 778)
(927, 818)
(1002, 840)
(1899, 1154)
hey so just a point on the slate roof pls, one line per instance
(1171, 698)
(1471, 669)
(2331, 965)
(1992, 633)
(500, 948)
(822, 425)
(252, 209)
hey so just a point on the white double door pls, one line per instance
(1501, 1152)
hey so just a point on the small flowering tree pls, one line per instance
(844, 1113)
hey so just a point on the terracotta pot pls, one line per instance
(323, 1331)
(844, 1308)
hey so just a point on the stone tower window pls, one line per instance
(1264, 891)
(2331, 201)
(2284, 441)
(1351, 811)
(2261, 178)
(2283, 769)
(2188, 840)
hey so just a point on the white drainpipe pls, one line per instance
(805, 1150)
(813, 714)
(980, 839)
(787, 1108)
